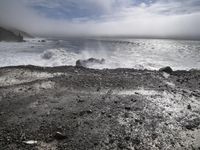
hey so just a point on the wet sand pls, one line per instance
(76, 108)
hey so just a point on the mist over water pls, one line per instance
(118, 53)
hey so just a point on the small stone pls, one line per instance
(126, 115)
(111, 141)
(127, 138)
(195, 94)
(31, 142)
(85, 112)
(154, 136)
(89, 111)
(128, 108)
(136, 141)
(138, 121)
(189, 107)
(80, 101)
(109, 116)
(59, 136)
(98, 89)
(59, 108)
(133, 100)
(103, 112)
(121, 145)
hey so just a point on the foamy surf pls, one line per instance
(125, 53)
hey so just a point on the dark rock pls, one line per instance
(189, 107)
(194, 93)
(98, 89)
(128, 108)
(136, 141)
(133, 100)
(192, 124)
(127, 138)
(154, 136)
(111, 141)
(90, 61)
(89, 111)
(59, 108)
(121, 145)
(138, 121)
(126, 115)
(85, 112)
(59, 136)
(109, 116)
(80, 101)
(103, 112)
(43, 41)
(115, 102)
(166, 69)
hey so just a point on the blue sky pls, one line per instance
(95, 9)
(163, 18)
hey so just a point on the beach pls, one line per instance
(71, 107)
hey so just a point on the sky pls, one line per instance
(137, 18)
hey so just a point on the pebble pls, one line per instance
(189, 107)
(59, 136)
(30, 142)
(80, 100)
(128, 108)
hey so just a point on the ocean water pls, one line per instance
(118, 53)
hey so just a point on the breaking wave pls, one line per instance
(125, 53)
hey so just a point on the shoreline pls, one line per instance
(70, 107)
(74, 66)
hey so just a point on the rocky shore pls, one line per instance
(76, 108)
(9, 36)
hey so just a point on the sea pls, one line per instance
(118, 53)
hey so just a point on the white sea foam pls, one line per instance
(126, 53)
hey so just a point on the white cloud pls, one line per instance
(115, 17)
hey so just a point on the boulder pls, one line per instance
(59, 136)
(166, 69)
(90, 61)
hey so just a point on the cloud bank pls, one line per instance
(139, 18)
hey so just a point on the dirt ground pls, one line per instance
(81, 109)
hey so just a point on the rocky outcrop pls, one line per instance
(9, 36)
(90, 61)
(166, 69)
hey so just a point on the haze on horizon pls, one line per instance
(137, 18)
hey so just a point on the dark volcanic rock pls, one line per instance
(90, 61)
(189, 107)
(59, 136)
(166, 69)
(43, 41)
